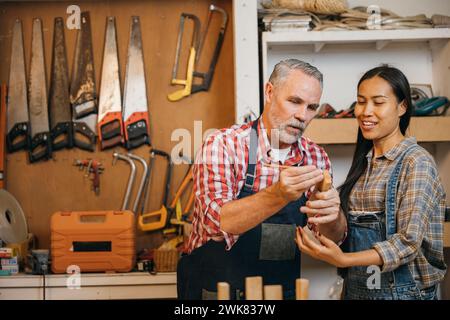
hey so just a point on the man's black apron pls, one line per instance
(267, 250)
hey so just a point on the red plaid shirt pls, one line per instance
(219, 175)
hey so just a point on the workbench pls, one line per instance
(93, 286)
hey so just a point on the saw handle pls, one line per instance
(64, 129)
(40, 147)
(110, 130)
(83, 130)
(137, 134)
(13, 141)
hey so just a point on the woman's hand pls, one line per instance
(328, 251)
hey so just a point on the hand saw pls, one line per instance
(135, 108)
(186, 91)
(2, 134)
(40, 146)
(82, 89)
(59, 107)
(110, 126)
(18, 123)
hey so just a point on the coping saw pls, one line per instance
(207, 77)
(18, 121)
(194, 56)
(195, 43)
(110, 126)
(158, 219)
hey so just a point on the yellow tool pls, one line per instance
(158, 219)
(176, 203)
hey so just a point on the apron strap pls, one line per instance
(252, 157)
(391, 195)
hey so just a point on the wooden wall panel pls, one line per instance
(47, 187)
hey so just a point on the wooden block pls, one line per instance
(273, 292)
(254, 288)
(223, 291)
(325, 184)
(301, 289)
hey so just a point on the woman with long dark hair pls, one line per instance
(393, 200)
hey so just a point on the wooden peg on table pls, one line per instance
(223, 291)
(301, 289)
(273, 292)
(254, 288)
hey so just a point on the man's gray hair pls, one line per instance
(282, 69)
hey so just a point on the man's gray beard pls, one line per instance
(281, 135)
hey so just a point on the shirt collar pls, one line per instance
(295, 155)
(395, 151)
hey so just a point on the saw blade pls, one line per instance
(110, 101)
(38, 89)
(40, 147)
(59, 107)
(135, 113)
(82, 89)
(17, 112)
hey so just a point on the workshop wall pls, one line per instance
(46, 187)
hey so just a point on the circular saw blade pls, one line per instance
(13, 224)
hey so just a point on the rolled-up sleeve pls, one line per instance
(416, 203)
(214, 185)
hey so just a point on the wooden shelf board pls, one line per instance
(447, 234)
(295, 37)
(344, 131)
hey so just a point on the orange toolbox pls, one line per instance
(95, 241)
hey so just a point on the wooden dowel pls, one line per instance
(301, 289)
(273, 292)
(253, 288)
(223, 291)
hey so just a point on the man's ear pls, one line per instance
(402, 108)
(268, 91)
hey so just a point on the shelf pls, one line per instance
(446, 234)
(344, 131)
(133, 285)
(380, 37)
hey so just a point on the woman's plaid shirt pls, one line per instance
(420, 211)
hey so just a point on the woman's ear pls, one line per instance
(402, 108)
(268, 92)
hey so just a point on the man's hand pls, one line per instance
(294, 181)
(323, 207)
